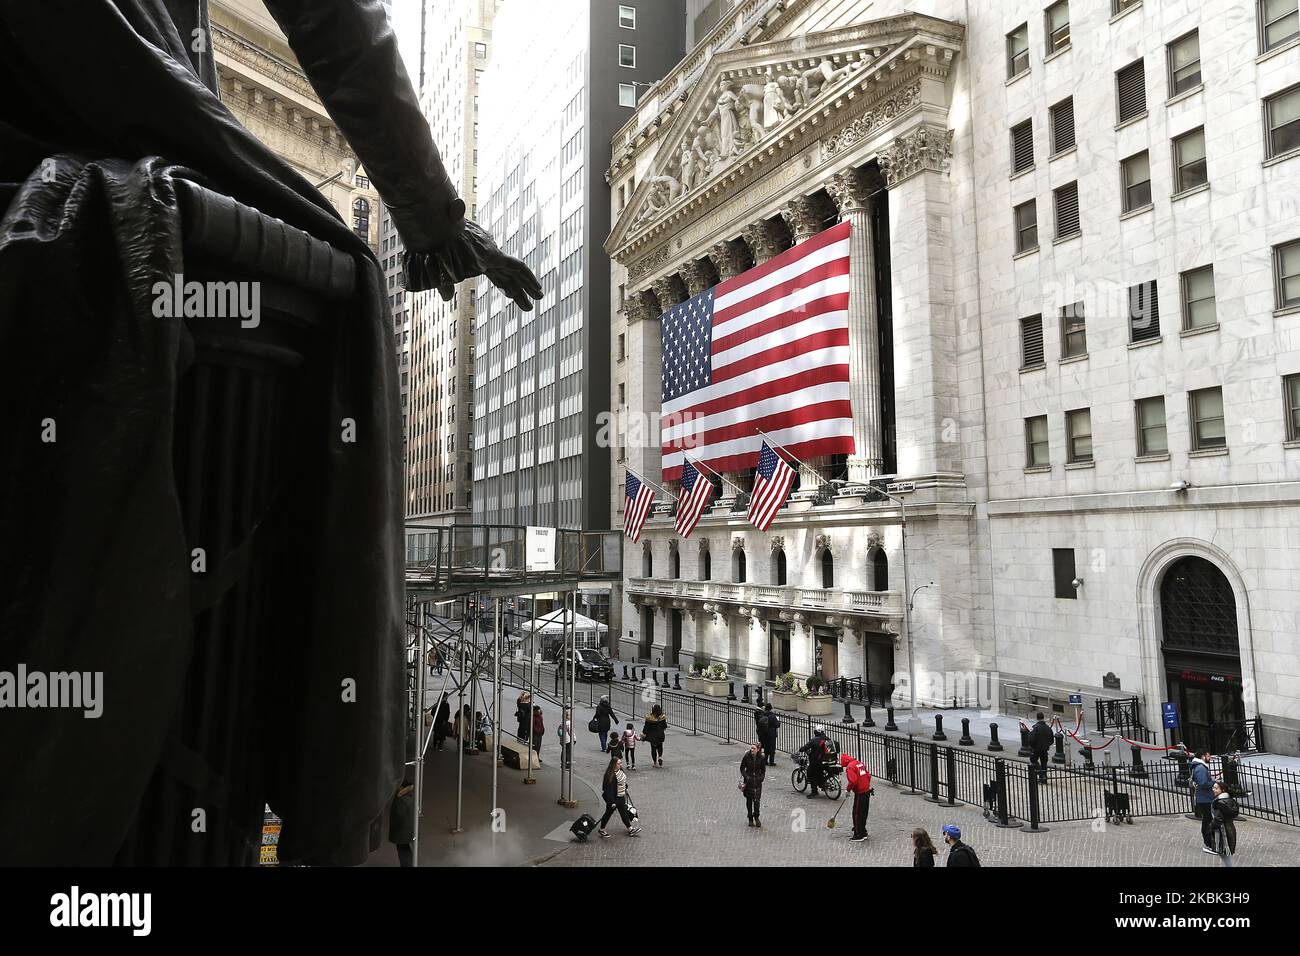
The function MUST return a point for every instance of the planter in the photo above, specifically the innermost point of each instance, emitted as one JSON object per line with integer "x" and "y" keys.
{"x": 716, "y": 688}
{"x": 783, "y": 701}
{"x": 818, "y": 705}
{"x": 695, "y": 685}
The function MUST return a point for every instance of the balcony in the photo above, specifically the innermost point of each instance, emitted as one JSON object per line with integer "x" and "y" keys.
{"x": 878, "y": 605}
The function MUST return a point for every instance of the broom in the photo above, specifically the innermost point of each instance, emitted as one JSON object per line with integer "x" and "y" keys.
{"x": 830, "y": 824}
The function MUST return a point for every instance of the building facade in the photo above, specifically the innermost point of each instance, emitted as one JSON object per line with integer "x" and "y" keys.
{"x": 1074, "y": 349}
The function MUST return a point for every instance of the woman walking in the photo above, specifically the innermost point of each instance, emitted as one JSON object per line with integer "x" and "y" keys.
{"x": 923, "y": 849}
{"x": 656, "y": 724}
{"x": 614, "y": 790}
{"x": 539, "y": 730}
{"x": 752, "y": 769}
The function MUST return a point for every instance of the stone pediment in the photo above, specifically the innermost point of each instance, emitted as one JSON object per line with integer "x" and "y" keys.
{"x": 750, "y": 101}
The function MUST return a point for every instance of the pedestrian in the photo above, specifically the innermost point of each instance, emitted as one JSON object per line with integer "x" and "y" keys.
{"x": 605, "y": 716}
{"x": 484, "y": 728}
{"x": 752, "y": 770}
{"x": 1203, "y": 790}
{"x": 629, "y": 746}
{"x": 565, "y": 732}
{"x": 615, "y": 748}
{"x": 654, "y": 730}
{"x": 401, "y": 822}
{"x": 539, "y": 730}
{"x": 818, "y": 750}
{"x": 1224, "y": 811}
{"x": 959, "y": 854}
{"x": 437, "y": 662}
{"x": 858, "y": 781}
{"x": 523, "y": 714}
{"x": 441, "y": 722}
{"x": 768, "y": 727}
{"x": 614, "y": 792}
{"x": 1041, "y": 739}
{"x": 923, "y": 849}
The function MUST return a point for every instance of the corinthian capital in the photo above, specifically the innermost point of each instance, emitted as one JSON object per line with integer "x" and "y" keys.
{"x": 697, "y": 275}
{"x": 765, "y": 239}
{"x": 924, "y": 148}
{"x": 851, "y": 189}
{"x": 728, "y": 257}
{"x": 670, "y": 290}
{"x": 805, "y": 216}
{"x": 640, "y": 306}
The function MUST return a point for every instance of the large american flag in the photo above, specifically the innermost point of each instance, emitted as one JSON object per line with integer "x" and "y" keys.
{"x": 696, "y": 492}
{"x": 771, "y": 487}
{"x": 766, "y": 350}
{"x": 636, "y": 506}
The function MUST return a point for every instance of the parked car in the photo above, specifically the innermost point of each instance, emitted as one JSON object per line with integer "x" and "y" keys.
{"x": 590, "y": 664}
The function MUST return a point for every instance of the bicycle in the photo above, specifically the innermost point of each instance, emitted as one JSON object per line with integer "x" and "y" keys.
{"x": 799, "y": 778}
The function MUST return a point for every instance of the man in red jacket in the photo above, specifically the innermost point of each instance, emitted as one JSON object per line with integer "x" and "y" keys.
{"x": 858, "y": 779}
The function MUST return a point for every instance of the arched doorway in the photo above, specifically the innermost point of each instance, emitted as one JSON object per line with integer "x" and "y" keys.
{"x": 647, "y": 634}
{"x": 675, "y": 640}
{"x": 879, "y": 570}
{"x": 1202, "y": 655}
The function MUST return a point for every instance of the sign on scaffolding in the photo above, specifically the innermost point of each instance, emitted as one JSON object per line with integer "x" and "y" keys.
{"x": 539, "y": 545}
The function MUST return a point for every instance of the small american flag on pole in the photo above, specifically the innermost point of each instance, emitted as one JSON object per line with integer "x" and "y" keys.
{"x": 767, "y": 349}
{"x": 771, "y": 488}
{"x": 637, "y": 505}
{"x": 696, "y": 492}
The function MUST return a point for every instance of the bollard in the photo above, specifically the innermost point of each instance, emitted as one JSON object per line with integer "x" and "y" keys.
{"x": 677, "y": 682}
{"x": 1024, "y": 750}
{"x": 1138, "y": 769}
{"x": 625, "y": 677}
{"x": 745, "y": 697}
{"x": 994, "y": 743}
{"x": 951, "y": 761}
{"x": 889, "y": 724}
{"x": 654, "y": 676}
{"x": 1004, "y": 817}
{"x": 938, "y": 728}
{"x": 867, "y": 720}
{"x": 1184, "y": 776}
{"x": 643, "y": 673}
{"x": 1035, "y": 815}
{"x": 965, "y": 740}
{"x": 758, "y": 695}
{"x": 848, "y": 714}
{"x": 1230, "y": 780}
{"x": 1059, "y": 756}
{"x": 1088, "y": 765}
{"x": 731, "y": 690}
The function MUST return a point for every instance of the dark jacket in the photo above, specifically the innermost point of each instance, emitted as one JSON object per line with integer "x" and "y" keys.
{"x": 752, "y": 770}
{"x": 654, "y": 729}
{"x": 605, "y": 716}
{"x": 815, "y": 749}
{"x": 401, "y": 818}
{"x": 1041, "y": 738}
{"x": 1202, "y": 781}
{"x": 959, "y": 854}
{"x": 523, "y": 716}
{"x": 539, "y": 726}
{"x": 924, "y": 859}
{"x": 443, "y": 715}
{"x": 1225, "y": 813}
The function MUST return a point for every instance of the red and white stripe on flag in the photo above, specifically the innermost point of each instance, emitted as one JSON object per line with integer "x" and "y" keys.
{"x": 637, "y": 506}
{"x": 696, "y": 492}
{"x": 771, "y": 487}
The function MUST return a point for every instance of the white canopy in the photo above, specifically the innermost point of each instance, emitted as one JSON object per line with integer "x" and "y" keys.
{"x": 555, "y": 622}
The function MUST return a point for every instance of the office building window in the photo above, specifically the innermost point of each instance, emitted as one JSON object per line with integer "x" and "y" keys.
{"x": 1207, "y": 419}
{"x": 1063, "y": 126}
{"x": 1066, "y": 201}
{"x": 1018, "y": 50}
{"x": 1074, "y": 335}
{"x": 1282, "y": 116}
{"x": 1119, "y": 6}
{"x": 1022, "y": 147}
{"x": 1198, "y": 298}
{"x": 1063, "y": 573}
{"x": 626, "y": 94}
{"x": 1137, "y": 181}
{"x": 1026, "y": 216}
{"x": 627, "y": 17}
{"x": 1185, "y": 63}
{"x": 622, "y": 348}
{"x": 1078, "y": 436}
{"x": 480, "y": 51}
{"x": 1031, "y": 342}
{"x": 626, "y": 55}
{"x": 1036, "y": 449}
{"x": 1058, "y": 26}
{"x": 1286, "y": 267}
{"x": 1279, "y": 22}
{"x": 1291, "y": 397}
{"x": 1152, "y": 438}
{"x": 1189, "y": 161}
{"x": 1131, "y": 91}
{"x": 1143, "y": 312}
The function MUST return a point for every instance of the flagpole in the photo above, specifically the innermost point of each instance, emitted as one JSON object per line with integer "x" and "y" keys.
{"x": 806, "y": 467}
{"x": 650, "y": 483}
{"x": 700, "y": 464}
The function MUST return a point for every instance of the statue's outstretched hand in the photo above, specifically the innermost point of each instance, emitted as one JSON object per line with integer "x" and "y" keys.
{"x": 472, "y": 253}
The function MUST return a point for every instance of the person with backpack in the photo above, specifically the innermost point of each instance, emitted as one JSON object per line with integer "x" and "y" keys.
{"x": 1203, "y": 789}
{"x": 959, "y": 854}
{"x": 923, "y": 850}
{"x": 653, "y": 731}
{"x": 1224, "y": 812}
{"x": 820, "y": 751}
{"x": 858, "y": 780}
{"x": 604, "y": 717}
{"x": 539, "y": 730}
{"x": 768, "y": 725}
{"x": 752, "y": 770}
{"x": 614, "y": 792}
{"x": 1041, "y": 739}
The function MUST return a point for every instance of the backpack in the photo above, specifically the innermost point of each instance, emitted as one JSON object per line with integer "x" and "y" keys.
{"x": 830, "y": 750}
{"x": 969, "y": 854}
{"x": 764, "y": 725}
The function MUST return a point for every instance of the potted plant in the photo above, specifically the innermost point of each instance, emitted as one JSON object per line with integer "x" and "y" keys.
{"x": 715, "y": 681}
{"x": 785, "y": 692}
{"x": 815, "y": 700}
{"x": 695, "y": 677}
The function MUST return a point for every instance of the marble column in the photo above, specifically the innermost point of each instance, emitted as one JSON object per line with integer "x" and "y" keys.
{"x": 765, "y": 239}
{"x": 851, "y": 190}
{"x": 639, "y": 429}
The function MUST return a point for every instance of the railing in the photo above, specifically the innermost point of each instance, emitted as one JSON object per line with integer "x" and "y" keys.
{"x": 439, "y": 557}
{"x": 880, "y": 603}
{"x": 1119, "y": 715}
{"x": 1224, "y": 736}
{"x": 858, "y": 691}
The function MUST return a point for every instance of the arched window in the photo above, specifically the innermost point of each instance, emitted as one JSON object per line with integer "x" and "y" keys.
{"x": 880, "y": 570}
{"x": 778, "y": 567}
{"x": 1198, "y": 608}
{"x": 738, "y": 566}
{"x": 647, "y": 562}
{"x": 706, "y": 565}
{"x": 674, "y": 564}
{"x": 828, "y": 569}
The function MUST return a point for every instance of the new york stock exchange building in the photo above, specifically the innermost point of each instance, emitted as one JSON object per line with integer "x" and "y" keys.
{"x": 1073, "y": 354}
